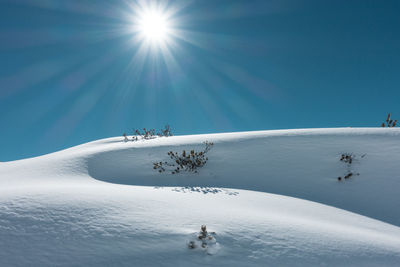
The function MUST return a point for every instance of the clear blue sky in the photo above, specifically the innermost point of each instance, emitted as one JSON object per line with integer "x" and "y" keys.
{"x": 70, "y": 72}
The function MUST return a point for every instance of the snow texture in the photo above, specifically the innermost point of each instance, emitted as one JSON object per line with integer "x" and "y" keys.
{"x": 271, "y": 197}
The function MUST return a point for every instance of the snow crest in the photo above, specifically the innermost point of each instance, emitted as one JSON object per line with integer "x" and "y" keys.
{"x": 272, "y": 198}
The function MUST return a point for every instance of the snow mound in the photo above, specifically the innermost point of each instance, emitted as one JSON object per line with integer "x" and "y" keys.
{"x": 102, "y": 203}
{"x": 299, "y": 163}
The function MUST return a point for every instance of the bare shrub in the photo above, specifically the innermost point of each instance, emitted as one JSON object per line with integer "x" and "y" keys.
{"x": 125, "y": 137}
{"x": 348, "y": 159}
{"x": 166, "y": 132}
{"x": 146, "y": 134}
{"x": 389, "y": 122}
{"x": 186, "y": 161}
{"x": 204, "y": 240}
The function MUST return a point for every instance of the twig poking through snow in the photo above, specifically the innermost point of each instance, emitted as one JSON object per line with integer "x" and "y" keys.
{"x": 205, "y": 241}
{"x": 348, "y": 159}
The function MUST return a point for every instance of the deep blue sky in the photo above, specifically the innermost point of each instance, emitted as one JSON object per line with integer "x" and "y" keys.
{"x": 69, "y": 74}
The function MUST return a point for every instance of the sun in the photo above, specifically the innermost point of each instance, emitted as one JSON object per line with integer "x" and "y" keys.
{"x": 153, "y": 26}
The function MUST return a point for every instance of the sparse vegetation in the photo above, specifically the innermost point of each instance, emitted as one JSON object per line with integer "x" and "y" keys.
{"x": 186, "y": 161}
{"x": 348, "y": 159}
{"x": 389, "y": 122}
{"x": 204, "y": 239}
{"x": 166, "y": 132}
{"x": 146, "y": 134}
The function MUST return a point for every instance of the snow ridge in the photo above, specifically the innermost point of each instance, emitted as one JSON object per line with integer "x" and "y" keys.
{"x": 102, "y": 203}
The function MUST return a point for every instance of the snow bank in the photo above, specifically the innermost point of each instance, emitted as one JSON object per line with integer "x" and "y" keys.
{"x": 101, "y": 203}
{"x": 298, "y": 163}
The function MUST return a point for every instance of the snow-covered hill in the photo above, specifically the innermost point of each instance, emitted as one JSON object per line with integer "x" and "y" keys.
{"x": 272, "y": 197}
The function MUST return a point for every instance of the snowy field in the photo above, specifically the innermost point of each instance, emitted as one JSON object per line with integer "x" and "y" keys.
{"x": 271, "y": 197}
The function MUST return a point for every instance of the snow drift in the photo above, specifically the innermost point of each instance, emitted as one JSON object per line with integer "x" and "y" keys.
{"x": 102, "y": 202}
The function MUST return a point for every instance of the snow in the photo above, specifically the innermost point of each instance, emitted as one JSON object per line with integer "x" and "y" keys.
{"x": 271, "y": 197}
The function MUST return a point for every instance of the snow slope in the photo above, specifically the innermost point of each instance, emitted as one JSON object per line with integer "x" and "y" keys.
{"x": 102, "y": 203}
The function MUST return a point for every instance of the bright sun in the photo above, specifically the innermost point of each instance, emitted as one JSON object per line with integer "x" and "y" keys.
{"x": 154, "y": 26}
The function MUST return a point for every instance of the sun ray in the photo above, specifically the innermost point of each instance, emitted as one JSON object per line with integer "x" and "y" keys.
{"x": 161, "y": 58}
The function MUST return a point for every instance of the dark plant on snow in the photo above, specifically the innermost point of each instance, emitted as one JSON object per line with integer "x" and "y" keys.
{"x": 204, "y": 239}
{"x": 166, "y": 132}
{"x": 146, "y": 134}
{"x": 348, "y": 159}
{"x": 186, "y": 161}
{"x": 125, "y": 137}
{"x": 389, "y": 122}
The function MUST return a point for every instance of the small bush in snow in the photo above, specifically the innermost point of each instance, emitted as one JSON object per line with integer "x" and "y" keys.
{"x": 348, "y": 159}
{"x": 125, "y": 137}
{"x": 205, "y": 241}
{"x": 186, "y": 161}
{"x": 146, "y": 134}
{"x": 166, "y": 132}
{"x": 389, "y": 122}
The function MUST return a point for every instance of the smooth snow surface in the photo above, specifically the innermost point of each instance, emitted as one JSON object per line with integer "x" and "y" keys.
{"x": 102, "y": 204}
